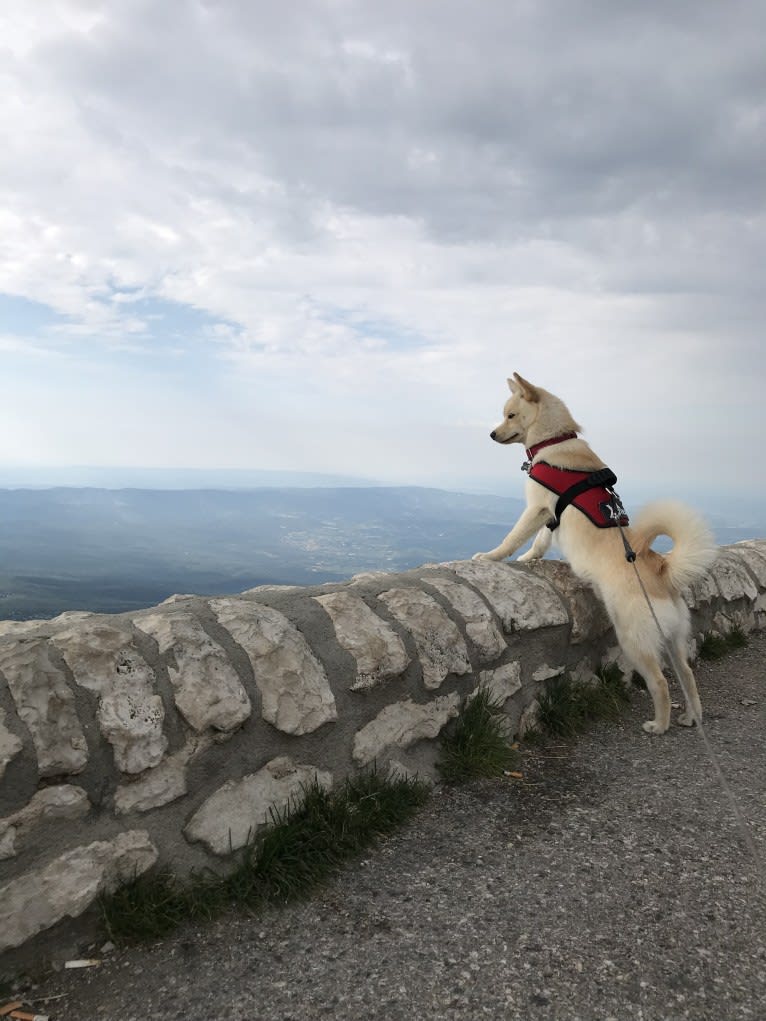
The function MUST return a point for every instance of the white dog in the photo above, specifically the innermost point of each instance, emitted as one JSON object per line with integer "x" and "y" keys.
{"x": 591, "y": 542}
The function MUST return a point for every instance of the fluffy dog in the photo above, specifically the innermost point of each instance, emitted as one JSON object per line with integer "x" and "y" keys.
{"x": 592, "y": 545}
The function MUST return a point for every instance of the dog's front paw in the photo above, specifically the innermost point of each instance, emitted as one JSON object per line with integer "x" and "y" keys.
{"x": 492, "y": 555}
{"x": 526, "y": 557}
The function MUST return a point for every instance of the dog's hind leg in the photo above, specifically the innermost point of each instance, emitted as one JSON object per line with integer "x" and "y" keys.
{"x": 539, "y": 547}
{"x": 649, "y": 668}
{"x": 642, "y": 645}
{"x": 693, "y": 710}
{"x": 643, "y": 653}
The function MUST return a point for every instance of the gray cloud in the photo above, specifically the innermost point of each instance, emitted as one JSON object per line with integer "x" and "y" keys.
{"x": 331, "y": 177}
{"x": 494, "y": 122}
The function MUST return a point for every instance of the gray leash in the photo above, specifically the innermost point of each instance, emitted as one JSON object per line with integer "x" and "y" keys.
{"x": 744, "y": 829}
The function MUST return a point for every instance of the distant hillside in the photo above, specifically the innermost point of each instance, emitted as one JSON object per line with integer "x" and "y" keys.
{"x": 111, "y": 550}
{"x": 120, "y": 549}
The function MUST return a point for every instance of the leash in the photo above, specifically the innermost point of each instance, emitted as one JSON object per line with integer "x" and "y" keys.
{"x": 747, "y": 836}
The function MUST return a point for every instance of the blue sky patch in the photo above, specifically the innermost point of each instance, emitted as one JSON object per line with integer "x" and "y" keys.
{"x": 170, "y": 320}
{"x": 24, "y": 317}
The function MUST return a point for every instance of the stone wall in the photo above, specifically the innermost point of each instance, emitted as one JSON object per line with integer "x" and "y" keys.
{"x": 167, "y": 734}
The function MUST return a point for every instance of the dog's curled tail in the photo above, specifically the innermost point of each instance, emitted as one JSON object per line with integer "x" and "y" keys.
{"x": 694, "y": 548}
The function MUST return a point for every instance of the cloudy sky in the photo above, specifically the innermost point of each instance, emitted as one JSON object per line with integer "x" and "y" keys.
{"x": 319, "y": 235}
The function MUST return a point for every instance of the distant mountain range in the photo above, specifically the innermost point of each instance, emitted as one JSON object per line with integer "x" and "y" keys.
{"x": 25, "y": 477}
{"x": 110, "y": 550}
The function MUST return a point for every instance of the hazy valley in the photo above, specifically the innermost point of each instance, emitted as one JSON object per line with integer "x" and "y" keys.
{"x": 110, "y": 550}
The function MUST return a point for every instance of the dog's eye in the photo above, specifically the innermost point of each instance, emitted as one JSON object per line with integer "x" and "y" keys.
{"x": 509, "y": 417}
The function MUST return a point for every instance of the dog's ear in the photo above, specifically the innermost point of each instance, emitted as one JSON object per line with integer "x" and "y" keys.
{"x": 527, "y": 391}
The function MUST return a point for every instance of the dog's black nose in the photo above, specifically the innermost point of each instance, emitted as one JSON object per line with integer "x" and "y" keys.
{"x": 493, "y": 435}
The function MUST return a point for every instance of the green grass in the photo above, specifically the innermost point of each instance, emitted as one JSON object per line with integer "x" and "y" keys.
{"x": 717, "y": 646}
{"x": 302, "y": 848}
{"x": 567, "y": 708}
{"x": 479, "y": 743}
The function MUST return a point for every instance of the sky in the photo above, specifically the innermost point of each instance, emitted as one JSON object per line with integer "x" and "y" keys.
{"x": 319, "y": 236}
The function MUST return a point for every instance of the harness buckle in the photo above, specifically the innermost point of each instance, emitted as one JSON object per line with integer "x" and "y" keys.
{"x": 602, "y": 477}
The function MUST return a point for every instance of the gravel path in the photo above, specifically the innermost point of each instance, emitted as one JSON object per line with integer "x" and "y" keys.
{"x": 610, "y": 883}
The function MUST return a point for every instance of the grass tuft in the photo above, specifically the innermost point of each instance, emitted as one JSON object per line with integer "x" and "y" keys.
{"x": 567, "y": 708}
{"x": 479, "y": 744}
{"x": 151, "y": 906}
{"x": 736, "y": 639}
{"x": 611, "y": 695}
{"x": 717, "y": 646}
{"x": 302, "y": 847}
{"x": 561, "y": 711}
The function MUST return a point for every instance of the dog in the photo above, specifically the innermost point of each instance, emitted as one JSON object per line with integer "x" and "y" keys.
{"x": 589, "y": 540}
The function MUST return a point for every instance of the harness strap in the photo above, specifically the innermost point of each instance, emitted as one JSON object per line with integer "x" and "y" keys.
{"x": 602, "y": 477}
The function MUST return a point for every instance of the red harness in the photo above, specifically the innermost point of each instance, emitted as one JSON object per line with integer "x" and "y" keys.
{"x": 589, "y": 491}
{"x": 595, "y": 501}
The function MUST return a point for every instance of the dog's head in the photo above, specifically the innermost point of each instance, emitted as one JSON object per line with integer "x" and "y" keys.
{"x": 519, "y": 412}
{"x": 532, "y": 414}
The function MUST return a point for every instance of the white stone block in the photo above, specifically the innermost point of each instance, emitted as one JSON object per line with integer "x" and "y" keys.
{"x": 104, "y": 660}
{"x": 753, "y": 555}
{"x": 16, "y": 628}
{"x": 703, "y": 590}
{"x": 296, "y": 694}
{"x": 402, "y": 724}
{"x": 68, "y": 886}
{"x": 479, "y": 623}
{"x": 378, "y": 651}
{"x": 522, "y": 601}
{"x": 206, "y": 687}
{"x": 732, "y": 578}
{"x": 440, "y": 646}
{"x": 369, "y": 577}
{"x": 162, "y": 784}
{"x": 231, "y": 817}
{"x": 545, "y": 672}
{"x": 501, "y": 683}
{"x": 45, "y": 704}
{"x": 69, "y": 617}
{"x": 62, "y": 802}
